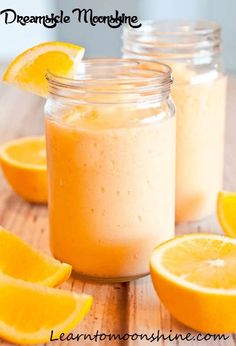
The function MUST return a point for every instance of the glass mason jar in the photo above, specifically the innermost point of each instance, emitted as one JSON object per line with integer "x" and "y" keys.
{"x": 111, "y": 162}
{"x": 193, "y": 50}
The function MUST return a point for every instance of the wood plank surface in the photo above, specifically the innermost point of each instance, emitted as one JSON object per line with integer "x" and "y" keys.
{"x": 123, "y": 307}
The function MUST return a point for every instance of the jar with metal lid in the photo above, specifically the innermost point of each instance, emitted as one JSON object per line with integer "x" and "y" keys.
{"x": 193, "y": 50}
{"x": 111, "y": 163}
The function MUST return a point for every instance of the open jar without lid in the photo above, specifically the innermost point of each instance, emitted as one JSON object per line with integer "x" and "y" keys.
{"x": 193, "y": 50}
{"x": 111, "y": 161}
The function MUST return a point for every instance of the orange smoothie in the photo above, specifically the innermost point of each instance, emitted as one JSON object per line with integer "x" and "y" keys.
{"x": 193, "y": 50}
{"x": 111, "y": 191}
{"x": 200, "y": 147}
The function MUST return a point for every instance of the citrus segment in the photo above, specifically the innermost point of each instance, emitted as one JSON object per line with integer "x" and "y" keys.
{"x": 29, "y": 312}
{"x": 18, "y": 260}
{"x": 28, "y": 70}
{"x": 226, "y": 212}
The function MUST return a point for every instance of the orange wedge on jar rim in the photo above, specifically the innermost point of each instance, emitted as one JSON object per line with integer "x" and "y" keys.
{"x": 195, "y": 278}
{"x": 20, "y": 261}
{"x": 28, "y": 70}
{"x": 226, "y": 212}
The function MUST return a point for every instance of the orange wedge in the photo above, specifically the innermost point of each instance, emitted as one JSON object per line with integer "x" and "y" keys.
{"x": 29, "y": 312}
{"x": 226, "y": 212}
{"x": 195, "y": 278}
{"x": 18, "y": 260}
{"x": 27, "y": 71}
{"x": 23, "y": 163}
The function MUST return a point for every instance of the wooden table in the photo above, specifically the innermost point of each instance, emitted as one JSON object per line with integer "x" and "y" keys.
{"x": 120, "y": 308}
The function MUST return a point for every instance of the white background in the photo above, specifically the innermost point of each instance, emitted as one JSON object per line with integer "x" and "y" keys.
{"x": 102, "y": 40}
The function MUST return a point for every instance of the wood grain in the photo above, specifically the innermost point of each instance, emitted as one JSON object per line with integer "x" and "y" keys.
{"x": 120, "y": 308}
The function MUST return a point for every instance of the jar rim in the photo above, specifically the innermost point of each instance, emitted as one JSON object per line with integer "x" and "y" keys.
{"x": 177, "y": 27}
{"x": 172, "y": 39}
{"x": 116, "y": 76}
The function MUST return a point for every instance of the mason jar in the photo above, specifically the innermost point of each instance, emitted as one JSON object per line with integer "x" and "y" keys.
{"x": 110, "y": 136}
{"x": 193, "y": 50}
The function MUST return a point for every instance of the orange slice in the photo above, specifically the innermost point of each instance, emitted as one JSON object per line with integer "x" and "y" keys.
{"x": 20, "y": 261}
{"x": 29, "y": 312}
{"x": 195, "y": 278}
{"x": 23, "y": 163}
{"x": 27, "y": 71}
{"x": 226, "y": 212}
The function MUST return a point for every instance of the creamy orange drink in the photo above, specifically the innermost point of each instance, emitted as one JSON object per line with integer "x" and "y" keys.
{"x": 192, "y": 49}
{"x": 199, "y": 169}
{"x": 111, "y": 162}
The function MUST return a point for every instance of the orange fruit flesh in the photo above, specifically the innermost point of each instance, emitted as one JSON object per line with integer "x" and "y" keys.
{"x": 195, "y": 278}
{"x": 39, "y": 66}
{"x": 226, "y": 212}
{"x": 30, "y": 153}
{"x": 28, "y": 70}
{"x": 35, "y": 266}
{"x": 29, "y": 311}
{"x": 23, "y": 163}
{"x": 205, "y": 268}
